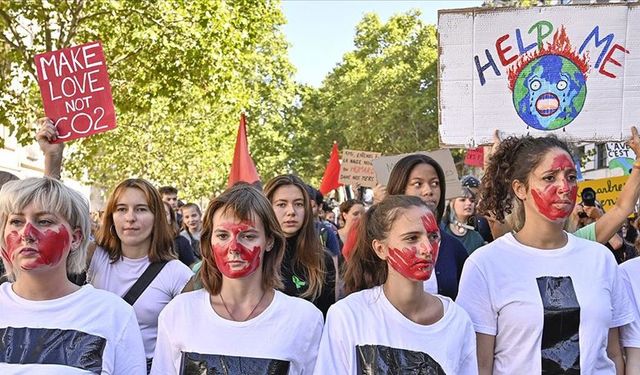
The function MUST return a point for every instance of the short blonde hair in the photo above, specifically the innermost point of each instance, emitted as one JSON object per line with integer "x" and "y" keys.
{"x": 52, "y": 196}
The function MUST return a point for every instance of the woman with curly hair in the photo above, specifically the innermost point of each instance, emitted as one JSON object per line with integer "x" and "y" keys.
{"x": 308, "y": 270}
{"x": 540, "y": 298}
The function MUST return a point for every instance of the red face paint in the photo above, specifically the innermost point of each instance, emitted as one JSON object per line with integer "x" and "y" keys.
{"x": 556, "y": 201}
{"x": 562, "y": 162}
{"x": 44, "y": 248}
{"x": 417, "y": 262}
{"x": 233, "y": 259}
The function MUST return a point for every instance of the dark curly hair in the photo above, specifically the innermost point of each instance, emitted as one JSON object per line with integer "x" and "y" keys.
{"x": 514, "y": 159}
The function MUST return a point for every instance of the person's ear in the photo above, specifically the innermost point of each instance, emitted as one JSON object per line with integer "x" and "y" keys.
{"x": 380, "y": 249}
{"x": 270, "y": 243}
{"x": 519, "y": 189}
{"x": 76, "y": 239}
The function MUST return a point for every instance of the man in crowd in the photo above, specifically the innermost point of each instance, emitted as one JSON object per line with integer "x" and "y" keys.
{"x": 170, "y": 195}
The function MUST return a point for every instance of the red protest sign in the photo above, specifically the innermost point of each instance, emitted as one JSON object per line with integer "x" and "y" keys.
{"x": 75, "y": 90}
{"x": 474, "y": 157}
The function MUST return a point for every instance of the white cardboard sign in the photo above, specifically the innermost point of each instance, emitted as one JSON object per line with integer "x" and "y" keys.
{"x": 356, "y": 168}
{"x": 573, "y": 71}
{"x": 384, "y": 164}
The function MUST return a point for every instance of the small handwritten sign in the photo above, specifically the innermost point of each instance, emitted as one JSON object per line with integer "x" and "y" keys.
{"x": 474, "y": 157}
{"x": 607, "y": 189}
{"x": 356, "y": 168}
{"x": 75, "y": 90}
{"x": 620, "y": 158}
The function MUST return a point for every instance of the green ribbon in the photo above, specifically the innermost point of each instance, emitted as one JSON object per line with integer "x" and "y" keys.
{"x": 299, "y": 283}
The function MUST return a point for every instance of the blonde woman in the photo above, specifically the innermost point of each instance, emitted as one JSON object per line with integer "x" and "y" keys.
{"x": 48, "y": 324}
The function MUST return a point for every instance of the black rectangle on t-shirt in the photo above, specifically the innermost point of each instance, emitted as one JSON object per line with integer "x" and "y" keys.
{"x": 215, "y": 364}
{"x": 560, "y": 336}
{"x": 379, "y": 360}
{"x": 66, "y": 347}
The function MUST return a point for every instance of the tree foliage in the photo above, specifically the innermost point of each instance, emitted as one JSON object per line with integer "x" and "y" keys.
{"x": 381, "y": 97}
{"x": 181, "y": 73}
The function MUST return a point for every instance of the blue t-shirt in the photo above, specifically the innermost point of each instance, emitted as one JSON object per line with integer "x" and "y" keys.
{"x": 451, "y": 258}
{"x": 329, "y": 237}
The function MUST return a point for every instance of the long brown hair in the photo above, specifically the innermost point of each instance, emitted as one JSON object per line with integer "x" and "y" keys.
{"x": 365, "y": 269}
{"x": 246, "y": 203}
{"x": 309, "y": 252}
{"x": 161, "y": 248}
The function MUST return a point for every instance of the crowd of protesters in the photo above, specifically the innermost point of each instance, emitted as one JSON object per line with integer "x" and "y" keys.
{"x": 516, "y": 275}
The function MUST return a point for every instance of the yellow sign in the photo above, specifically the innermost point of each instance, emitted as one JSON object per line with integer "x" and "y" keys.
{"x": 607, "y": 190}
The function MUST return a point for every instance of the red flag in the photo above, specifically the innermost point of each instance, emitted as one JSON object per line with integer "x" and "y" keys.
{"x": 331, "y": 177}
{"x": 242, "y": 168}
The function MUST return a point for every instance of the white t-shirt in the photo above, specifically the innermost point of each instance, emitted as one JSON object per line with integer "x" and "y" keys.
{"x": 120, "y": 276}
{"x": 431, "y": 285}
{"x": 283, "y": 339}
{"x": 364, "y": 329}
{"x": 504, "y": 284}
{"x": 86, "y": 332}
{"x": 630, "y": 333}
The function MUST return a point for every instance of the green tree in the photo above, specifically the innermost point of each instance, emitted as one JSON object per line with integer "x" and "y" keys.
{"x": 381, "y": 97}
{"x": 181, "y": 73}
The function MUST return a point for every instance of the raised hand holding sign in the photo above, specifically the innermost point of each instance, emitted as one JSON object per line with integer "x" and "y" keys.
{"x": 75, "y": 90}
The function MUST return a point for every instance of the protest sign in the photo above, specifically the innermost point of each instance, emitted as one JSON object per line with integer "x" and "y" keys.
{"x": 384, "y": 164}
{"x": 620, "y": 157}
{"x": 607, "y": 189}
{"x": 573, "y": 71}
{"x": 474, "y": 157}
{"x": 356, "y": 168}
{"x": 75, "y": 90}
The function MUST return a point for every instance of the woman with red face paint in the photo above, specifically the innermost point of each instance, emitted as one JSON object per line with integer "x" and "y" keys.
{"x": 308, "y": 270}
{"x": 540, "y": 298}
{"x": 239, "y": 324}
{"x": 388, "y": 323}
{"x": 48, "y": 324}
{"x": 134, "y": 239}
{"x": 421, "y": 176}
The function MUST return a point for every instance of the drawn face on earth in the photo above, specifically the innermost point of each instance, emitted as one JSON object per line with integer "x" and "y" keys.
{"x": 549, "y": 92}
{"x": 549, "y": 86}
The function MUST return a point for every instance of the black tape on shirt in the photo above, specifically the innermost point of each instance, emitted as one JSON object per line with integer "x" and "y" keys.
{"x": 379, "y": 360}
{"x": 52, "y": 347}
{"x": 560, "y": 345}
{"x": 215, "y": 364}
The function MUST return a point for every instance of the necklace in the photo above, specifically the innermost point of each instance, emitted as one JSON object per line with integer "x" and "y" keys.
{"x": 248, "y": 316}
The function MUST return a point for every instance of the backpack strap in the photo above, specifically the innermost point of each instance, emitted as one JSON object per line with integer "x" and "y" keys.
{"x": 143, "y": 282}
